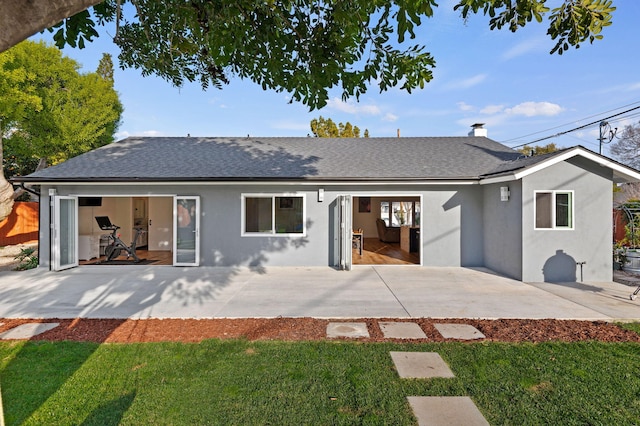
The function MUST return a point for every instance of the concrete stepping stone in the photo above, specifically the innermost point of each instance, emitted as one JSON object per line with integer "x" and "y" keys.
{"x": 459, "y": 331}
{"x": 402, "y": 330}
{"x": 27, "y": 331}
{"x": 446, "y": 411}
{"x": 347, "y": 329}
{"x": 420, "y": 365}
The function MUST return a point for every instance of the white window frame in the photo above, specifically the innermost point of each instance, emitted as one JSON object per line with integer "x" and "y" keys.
{"x": 390, "y": 213}
{"x": 553, "y": 210}
{"x": 273, "y": 232}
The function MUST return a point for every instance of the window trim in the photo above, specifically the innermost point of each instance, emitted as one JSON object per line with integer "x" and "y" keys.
{"x": 272, "y": 196}
{"x": 553, "y": 212}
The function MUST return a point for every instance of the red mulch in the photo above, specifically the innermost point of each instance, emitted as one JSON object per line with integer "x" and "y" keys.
{"x": 190, "y": 330}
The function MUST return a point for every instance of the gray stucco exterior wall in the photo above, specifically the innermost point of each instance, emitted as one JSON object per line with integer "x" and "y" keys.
{"x": 503, "y": 229}
{"x": 551, "y": 254}
{"x": 451, "y": 226}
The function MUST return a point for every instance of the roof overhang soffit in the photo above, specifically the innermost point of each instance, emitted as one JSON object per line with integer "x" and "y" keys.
{"x": 621, "y": 173}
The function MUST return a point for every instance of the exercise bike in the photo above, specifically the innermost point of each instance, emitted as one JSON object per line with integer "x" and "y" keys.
{"x": 116, "y": 246}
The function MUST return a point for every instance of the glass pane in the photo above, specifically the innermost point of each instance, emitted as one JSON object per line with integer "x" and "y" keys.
{"x": 543, "y": 210}
{"x": 417, "y": 210}
{"x": 186, "y": 235}
{"x": 258, "y": 214}
{"x": 289, "y": 218}
{"x": 67, "y": 232}
{"x": 399, "y": 216}
{"x": 384, "y": 212}
{"x": 407, "y": 207}
{"x": 563, "y": 210}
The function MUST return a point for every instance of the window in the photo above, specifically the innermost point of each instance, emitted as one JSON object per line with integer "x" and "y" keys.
{"x": 266, "y": 214}
{"x": 397, "y": 213}
{"x": 554, "y": 209}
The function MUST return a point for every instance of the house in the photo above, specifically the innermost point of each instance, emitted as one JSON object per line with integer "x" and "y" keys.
{"x": 463, "y": 201}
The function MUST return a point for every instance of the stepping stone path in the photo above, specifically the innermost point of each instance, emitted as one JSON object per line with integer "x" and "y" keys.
{"x": 446, "y": 411}
{"x": 420, "y": 365}
{"x": 27, "y": 331}
{"x": 435, "y": 410}
{"x": 401, "y": 330}
{"x": 459, "y": 331}
{"x": 347, "y": 329}
{"x": 428, "y": 410}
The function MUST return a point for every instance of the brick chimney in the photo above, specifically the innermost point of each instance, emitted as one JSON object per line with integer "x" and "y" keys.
{"x": 478, "y": 130}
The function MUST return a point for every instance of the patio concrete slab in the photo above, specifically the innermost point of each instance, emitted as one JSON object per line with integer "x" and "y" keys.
{"x": 401, "y": 330}
{"x": 446, "y": 411}
{"x": 610, "y": 299}
{"x": 27, "y": 331}
{"x": 148, "y": 291}
{"x": 477, "y": 293}
{"x": 420, "y": 365}
{"x": 459, "y": 331}
{"x": 347, "y": 329}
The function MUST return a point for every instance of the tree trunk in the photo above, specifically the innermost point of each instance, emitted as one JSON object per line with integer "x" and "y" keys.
{"x": 6, "y": 198}
{"x": 21, "y": 19}
{"x": 6, "y": 189}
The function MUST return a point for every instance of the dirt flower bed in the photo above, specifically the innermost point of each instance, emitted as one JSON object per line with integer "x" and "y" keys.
{"x": 187, "y": 330}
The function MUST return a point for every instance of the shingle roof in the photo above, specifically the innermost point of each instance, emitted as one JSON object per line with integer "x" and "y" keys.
{"x": 193, "y": 158}
{"x": 522, "y": 162}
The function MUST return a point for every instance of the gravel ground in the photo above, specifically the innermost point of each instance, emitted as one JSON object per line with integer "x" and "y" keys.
{"x": 291, "y": 329}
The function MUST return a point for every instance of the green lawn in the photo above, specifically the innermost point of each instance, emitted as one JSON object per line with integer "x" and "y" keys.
{"x": 237, "y": 382}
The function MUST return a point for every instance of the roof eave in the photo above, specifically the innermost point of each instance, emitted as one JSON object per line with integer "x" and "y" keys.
{"x": 306, "y": 180}
{"x": 621, "y": 173}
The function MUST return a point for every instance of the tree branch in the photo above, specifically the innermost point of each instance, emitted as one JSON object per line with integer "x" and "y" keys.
{"x": 21, "y": 19}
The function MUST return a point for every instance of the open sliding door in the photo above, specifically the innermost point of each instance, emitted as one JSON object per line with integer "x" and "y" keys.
{"x": 186, "y": 230}
{"x": 344, "y": 231}
{"x": 64, "y": 234}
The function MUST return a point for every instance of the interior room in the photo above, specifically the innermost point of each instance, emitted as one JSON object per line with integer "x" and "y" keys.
{"x": 153, "y": 215}
{"x": 386, "y": 230}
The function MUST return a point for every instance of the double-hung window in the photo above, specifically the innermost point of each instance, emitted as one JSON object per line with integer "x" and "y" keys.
{"x": 554, "y": 209}
{"x": 273, "y": 215}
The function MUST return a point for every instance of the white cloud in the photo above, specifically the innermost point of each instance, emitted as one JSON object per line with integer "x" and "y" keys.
{"x": 121, "y": 135}
{"x": 463, "y": 106}
{"x": 524, "y": 48}
{"x": 467, "y": 82}
{"x": 492, "y": 109}
{"x": 125, "y": 134}
{"x": 390, "y": 117}
{"x": 534, "y": 109}
{"x": 351, "y": 107}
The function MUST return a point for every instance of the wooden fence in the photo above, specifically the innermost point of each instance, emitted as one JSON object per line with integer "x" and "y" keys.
{"x": 22, "y": 224}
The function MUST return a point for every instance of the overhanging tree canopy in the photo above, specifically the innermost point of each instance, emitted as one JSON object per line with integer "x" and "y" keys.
{"x": 301, "y": 47}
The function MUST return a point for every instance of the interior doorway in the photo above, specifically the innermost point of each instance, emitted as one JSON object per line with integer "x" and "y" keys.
{"x": 387, "y": 230}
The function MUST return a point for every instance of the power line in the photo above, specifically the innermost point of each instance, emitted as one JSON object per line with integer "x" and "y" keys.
{"x": 563, "y": 125}
{"x": 576, "y": 128}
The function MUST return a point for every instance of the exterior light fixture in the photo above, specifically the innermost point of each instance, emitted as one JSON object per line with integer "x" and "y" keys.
{"x": 504, "y": 193}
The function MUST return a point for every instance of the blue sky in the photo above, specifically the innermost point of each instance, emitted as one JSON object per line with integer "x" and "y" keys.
{"x": 507, "y": 80}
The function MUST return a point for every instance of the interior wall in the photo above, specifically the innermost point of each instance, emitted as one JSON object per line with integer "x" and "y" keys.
{"x": 367, "y": 220}
{"x": 118, "y": 209}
